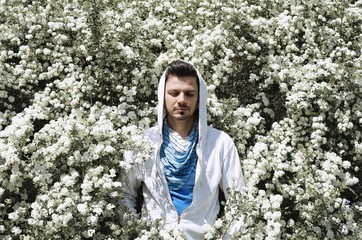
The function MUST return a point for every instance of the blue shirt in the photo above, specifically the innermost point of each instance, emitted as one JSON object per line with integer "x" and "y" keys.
{"x": 182, "y": 198}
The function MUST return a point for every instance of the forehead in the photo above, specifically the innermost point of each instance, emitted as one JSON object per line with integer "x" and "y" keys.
{"x": 174, "y": 81}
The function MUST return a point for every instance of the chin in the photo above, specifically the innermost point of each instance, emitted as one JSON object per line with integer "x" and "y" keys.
{"x": 181, "y": 118}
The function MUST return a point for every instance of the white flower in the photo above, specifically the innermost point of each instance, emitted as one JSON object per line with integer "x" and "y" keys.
{"x": 346, "y": 164}
{"x": 110, "y": 206}
{"x": 92, "y": 219}
{"x": 208, "y": 235}
{"x": 98, "y": 210}
{"x": 16, "y": 230}
{"x": 13, "y": 215}
{"x": 165, "y": 235}
{"x": 259, "y": 148}
{"x": 218, "y": 223}
{"x": 87, "y": 186}
{"x": 68, "y": 180}
{"x": 46, "y": 51}
{"x": 276, "y": 201}
{"x": 89, "y": 233}
{"x": 82, "y": 208}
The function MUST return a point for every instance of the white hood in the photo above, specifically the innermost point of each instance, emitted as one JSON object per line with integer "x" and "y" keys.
{"x": 161, "y": 111}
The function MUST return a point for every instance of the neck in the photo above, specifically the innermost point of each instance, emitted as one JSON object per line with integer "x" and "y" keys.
{"x": 183, "y": 128}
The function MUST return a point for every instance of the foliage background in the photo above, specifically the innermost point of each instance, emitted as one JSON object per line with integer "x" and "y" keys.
{"x": 78, "y": 84}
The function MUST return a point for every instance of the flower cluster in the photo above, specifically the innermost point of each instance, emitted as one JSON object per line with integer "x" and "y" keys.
{"x": 78, "y": 88}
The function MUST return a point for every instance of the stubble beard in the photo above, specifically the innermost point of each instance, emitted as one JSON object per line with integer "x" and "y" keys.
{"x": 181, "y": 117}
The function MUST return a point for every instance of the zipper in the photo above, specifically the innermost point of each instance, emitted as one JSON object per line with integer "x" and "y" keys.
{"x": 162, "y": 176}
{"x": 198, "y": 151}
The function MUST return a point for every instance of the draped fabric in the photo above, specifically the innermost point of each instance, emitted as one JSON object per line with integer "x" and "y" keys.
{"x": 183, "y": 197}
{"x": 178, "y": 155}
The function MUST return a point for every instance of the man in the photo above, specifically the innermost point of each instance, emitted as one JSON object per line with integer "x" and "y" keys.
{"x": 191, "y": 161}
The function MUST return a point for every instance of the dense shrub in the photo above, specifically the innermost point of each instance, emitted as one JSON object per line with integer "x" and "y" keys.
{"x": 78, "y": 86}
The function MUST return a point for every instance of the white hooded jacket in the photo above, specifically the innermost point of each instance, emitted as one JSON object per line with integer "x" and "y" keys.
{"x": 218, "y": 167}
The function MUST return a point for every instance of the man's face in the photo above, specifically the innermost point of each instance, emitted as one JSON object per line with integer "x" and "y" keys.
{"x": 181, "y": 97}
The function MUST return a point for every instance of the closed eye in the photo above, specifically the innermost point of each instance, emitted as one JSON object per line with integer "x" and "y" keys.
{"x": 173, "y": 93}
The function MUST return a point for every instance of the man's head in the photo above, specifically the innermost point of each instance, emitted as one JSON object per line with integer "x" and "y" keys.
{"x": 181, "y": 69}
{"x": 181, "y": 92}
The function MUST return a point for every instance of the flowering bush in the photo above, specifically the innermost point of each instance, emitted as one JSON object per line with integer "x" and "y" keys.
{"x": 78, "y": 86}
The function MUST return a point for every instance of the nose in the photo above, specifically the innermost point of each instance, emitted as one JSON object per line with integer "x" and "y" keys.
{"x": 182, "y": 98}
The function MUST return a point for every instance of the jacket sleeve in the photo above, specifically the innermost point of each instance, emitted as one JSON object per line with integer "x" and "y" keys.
{"x": 232, "y": 175}
{"x": 233, "y": 180}
{"x": 131, "y": 181}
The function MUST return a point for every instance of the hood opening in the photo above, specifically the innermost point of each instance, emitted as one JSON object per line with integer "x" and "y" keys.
{"x": 202, "y": 113}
